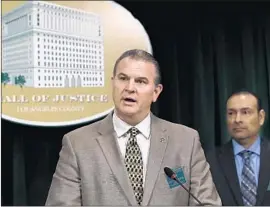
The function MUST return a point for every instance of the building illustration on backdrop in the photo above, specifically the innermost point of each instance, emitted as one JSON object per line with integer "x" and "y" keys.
{"x": 53, "y": 46}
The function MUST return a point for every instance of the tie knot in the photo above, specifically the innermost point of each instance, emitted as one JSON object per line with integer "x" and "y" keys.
{"x": 133, "y": 131}
{"x": 245, "y": 154}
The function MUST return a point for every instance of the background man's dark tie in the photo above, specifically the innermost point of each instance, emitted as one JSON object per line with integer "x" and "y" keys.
{"x": 248, "y": 184}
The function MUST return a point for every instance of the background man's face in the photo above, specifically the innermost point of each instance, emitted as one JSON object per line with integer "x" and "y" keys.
{"x": 243, "y": 118}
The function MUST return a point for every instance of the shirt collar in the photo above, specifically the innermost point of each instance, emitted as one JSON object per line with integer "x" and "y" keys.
{"x": 122, "y": 127}
{"x": 255, "y": 147}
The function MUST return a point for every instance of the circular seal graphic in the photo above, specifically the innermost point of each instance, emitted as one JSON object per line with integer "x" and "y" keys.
{"x": 58, "y": 58}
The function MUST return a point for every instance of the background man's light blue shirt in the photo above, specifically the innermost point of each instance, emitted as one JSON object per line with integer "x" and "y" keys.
{"x": 254, "y": 160}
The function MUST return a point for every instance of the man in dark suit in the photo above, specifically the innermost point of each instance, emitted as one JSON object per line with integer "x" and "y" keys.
{"x": 241, "y": 168}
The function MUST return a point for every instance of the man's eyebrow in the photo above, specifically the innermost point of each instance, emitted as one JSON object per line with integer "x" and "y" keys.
{"x": 244, "y": 108}
{"x": 141, "y": 77}
{"x": 137, "y": 78}
{"x": 122, "y": 74}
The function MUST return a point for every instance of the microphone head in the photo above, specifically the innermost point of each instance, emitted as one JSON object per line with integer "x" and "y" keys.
{"x": 168, "y": 171}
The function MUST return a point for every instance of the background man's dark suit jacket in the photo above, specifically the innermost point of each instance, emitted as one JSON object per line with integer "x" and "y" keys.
{"x": 223, "y": 169}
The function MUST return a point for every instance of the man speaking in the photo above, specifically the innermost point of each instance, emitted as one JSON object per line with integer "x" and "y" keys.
{"x": 120, "y": 159}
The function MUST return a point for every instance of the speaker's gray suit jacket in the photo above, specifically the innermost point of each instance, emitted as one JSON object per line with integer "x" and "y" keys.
{"x": 91, "y": 170}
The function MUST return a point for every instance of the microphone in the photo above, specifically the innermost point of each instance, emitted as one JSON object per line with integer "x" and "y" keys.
{"x": 169, "y": 172}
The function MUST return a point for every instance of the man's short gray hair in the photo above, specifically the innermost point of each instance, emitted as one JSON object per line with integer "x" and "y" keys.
{"x": 137, "y": 54}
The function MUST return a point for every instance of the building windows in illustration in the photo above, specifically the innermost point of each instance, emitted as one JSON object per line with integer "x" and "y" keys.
{"x": 73, "y": 38}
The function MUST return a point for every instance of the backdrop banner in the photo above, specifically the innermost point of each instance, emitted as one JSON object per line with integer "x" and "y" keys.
{"x": 58, "y": 58}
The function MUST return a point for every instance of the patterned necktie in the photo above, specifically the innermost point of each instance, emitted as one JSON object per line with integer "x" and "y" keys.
{"x": 248, "y": 184}
{"x": 134, "y": 164}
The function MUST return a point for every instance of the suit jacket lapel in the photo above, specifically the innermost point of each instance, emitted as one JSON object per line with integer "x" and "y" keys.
{"x": 111, "y": 151}
{"x": 264, "y": 173}
{"x": 158, "y": 144}
{"x": 227, "y": 163}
